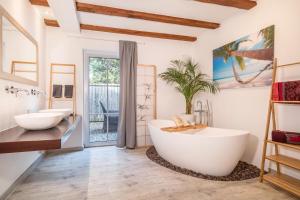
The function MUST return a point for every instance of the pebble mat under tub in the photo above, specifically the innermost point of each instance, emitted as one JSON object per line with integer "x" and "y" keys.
{"x": 242, "y": 171}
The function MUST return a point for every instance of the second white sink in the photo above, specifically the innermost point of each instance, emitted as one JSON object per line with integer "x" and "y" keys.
{"x": 39, "y": 121}
{"x": 66, "y": 111}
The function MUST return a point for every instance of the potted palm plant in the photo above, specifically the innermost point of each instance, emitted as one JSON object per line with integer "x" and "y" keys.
{"x": 188, "y": 80}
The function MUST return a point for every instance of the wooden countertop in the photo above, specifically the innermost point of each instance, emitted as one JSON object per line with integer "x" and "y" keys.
{"x": 18, "y": 139}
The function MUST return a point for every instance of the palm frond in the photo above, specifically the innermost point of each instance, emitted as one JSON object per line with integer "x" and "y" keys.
{"x": 226, "y": 50}
{"x": 172, "y": 76}
{"x": 268, "y": 35}
{"x": 188, "y": 79}
{"x": 241, "y": 62}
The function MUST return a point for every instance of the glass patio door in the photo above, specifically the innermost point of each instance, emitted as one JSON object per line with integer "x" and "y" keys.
{"x": 103, "y": 100}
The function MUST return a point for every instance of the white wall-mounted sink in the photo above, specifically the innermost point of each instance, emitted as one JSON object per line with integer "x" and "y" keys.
{"x": 66, "y": 111}
{"x": 39, "y": 121}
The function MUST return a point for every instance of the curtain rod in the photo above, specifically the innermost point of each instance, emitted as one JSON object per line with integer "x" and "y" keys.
{"x": 96, "y": 38}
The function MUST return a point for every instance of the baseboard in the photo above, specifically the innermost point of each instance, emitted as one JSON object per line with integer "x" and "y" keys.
{"x": 144, "y": 146}
{"x": 21, "y": 178}
{"x": 66, "y": 150}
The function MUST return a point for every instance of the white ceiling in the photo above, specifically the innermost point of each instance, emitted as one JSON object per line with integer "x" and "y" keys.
{"x": 61, "y": 9}
{"x": 178, "y": 8}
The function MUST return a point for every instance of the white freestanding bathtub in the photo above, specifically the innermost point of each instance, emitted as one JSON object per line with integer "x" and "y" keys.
{"x": 210, "y": 151}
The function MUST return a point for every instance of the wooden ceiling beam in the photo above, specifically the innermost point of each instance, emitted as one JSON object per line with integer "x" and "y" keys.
{"x": 105, "y": 10}
{"x": 51, "y": 22}
{"x": 54, "y": 23}
{"x": 242, "y": 4}
{"x": 39, "y": 2}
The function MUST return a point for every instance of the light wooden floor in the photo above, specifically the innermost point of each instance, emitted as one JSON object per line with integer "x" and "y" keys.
{"x": 109, "y": 173}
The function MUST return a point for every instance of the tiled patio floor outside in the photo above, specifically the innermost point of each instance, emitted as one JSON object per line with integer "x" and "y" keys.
{"x": 97, "y": 133}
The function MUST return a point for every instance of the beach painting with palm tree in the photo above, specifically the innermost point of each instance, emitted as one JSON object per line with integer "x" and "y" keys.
{"x": 246, "y": 62}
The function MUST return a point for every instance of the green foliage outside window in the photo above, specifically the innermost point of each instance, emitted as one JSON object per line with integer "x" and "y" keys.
{"x": 104, "y": 70}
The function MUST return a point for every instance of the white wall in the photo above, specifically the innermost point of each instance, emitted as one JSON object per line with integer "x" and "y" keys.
{"x": 62, "y": 48}
{"x": 14, "y": 164}
{"x": 246, "y": 109}
{"x": 238, "y": 108}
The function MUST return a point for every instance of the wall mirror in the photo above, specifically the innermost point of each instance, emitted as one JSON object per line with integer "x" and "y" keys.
{"x": 19, "y": 52}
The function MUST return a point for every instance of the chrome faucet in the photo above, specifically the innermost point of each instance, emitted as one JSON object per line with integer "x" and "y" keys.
{"x": 16, "y": 91}
{"x": 20, "y": 91}
{"x": 204, "y": 111}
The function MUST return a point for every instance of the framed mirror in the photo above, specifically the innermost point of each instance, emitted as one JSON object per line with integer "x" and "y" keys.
{"x": 18, "y": 52}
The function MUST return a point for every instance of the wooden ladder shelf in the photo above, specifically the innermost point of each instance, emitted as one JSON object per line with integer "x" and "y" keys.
{"x": 66, "y": 70}
{"x": 288, "y": 183}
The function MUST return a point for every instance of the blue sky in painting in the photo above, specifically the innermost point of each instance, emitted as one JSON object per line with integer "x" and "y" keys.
{"x": 222, "y": 70}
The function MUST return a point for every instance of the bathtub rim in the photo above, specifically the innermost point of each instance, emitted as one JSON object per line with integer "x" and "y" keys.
{"x": 231, "y": 132}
